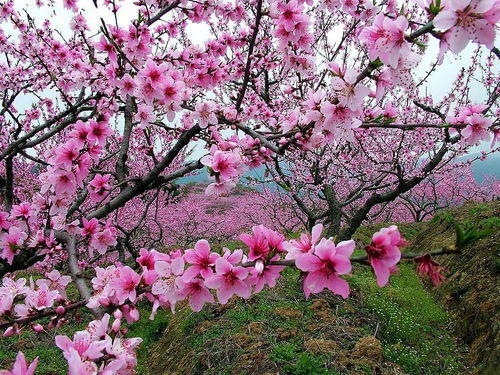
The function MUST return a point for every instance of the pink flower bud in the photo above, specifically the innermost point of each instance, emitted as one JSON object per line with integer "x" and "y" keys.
{"x": 116, "y": 325}
{"x": 52, "y": 324}
{"x": 37, "y": 327}
{"x": 12, "y": 330}
{"x": 259, "y": 266}
{"x": 118, "y": 314}
{"x": 134, "y": 314}
{"x": 60, "y": 310}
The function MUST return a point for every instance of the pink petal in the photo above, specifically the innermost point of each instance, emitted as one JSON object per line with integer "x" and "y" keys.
{"x": 241, "y": 289}
{"x": 225, "y": 292}
{"x": 338, "y": 286}
{"x": 316, "y": 233}
{"x": 191, "y": 273}
{"x": 178, "y": 266}
{"x": 316, "y": 281}
{"x": 345, "y": 248}
{"x": 342, "y": 265}
{"x": 308, "y": 262}
{"x": 222, "y": 266}
{"x": 214, "y": 282}
{"x": 324, "y": 249}
{"x": 381, "y": 272}
{"x": 240, "y": 272}
{"x": 445, "y": 20}
{"x": 203, "y": 248}
{"x": 458, "y": 39}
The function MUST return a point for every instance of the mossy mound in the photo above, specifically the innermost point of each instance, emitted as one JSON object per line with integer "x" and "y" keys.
{"x": 274, "y": 332}
{"x": 472, "y": 291}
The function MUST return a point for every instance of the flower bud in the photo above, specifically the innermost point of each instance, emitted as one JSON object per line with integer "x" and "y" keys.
{"x": 37, "y": 327}
{"x": 116, "y": 325}
{"x": 60, "y": 310}
{"x": 12, "y": 330}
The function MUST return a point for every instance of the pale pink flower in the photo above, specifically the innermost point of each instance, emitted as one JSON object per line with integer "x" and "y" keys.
{"x": 41, "y": 298}
{"x": 350, "y": 93}
{"x": 196, "y": 291}
{"x": 11, "y": 242}
{"x": 77, "y": 366}
{"x": 104, "y": 239}
{"x": 4, "y": 223}
{"x": 6, "y": 301}
{"x": 23, "y": 211}
{"x": 220, "y": 188}
{"x": 144, "y": 115}
{"x": 55, "y": 281}
{"x": 205, "y": 114}
{"x": 125, "y": 285}
{"x": 477, "y": 129}
{"x": 468, "y": 20}
{"x": 225, "y": 164}
{"x": 385, "y": 39}
{"x": 304, "y": 244}
{"x": 63, "y": 182}
{"x": 21, "y": 367}
{"x": 267, "y": 276}
{"x": 86, "y": 346}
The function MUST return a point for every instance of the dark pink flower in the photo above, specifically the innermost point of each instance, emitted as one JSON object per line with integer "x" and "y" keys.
{"x": 384, "y": 252}
{"x": 229, "y": 280}
{"x": 427, "y": 267}
{"x": 202, "y": 261}
{"x": 325, "y": 265}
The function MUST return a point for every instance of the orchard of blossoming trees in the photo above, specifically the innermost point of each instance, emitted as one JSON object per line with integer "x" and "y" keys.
{"x": 328, "y": 88}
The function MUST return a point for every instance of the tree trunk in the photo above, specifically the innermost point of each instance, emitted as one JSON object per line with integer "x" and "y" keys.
{"x": 334, "y": 211}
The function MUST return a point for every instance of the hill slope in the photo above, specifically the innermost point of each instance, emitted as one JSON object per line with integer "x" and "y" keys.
{"x": 472, "y": 292}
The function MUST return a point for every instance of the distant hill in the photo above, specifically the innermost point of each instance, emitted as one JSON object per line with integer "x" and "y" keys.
{"x": 490, "y": 166}
{"x": 480, "y": 168}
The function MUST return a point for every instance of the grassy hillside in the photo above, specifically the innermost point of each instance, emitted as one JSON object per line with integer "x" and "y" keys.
{"x": 399, "y": 329}
{"x": 472, "y": 292}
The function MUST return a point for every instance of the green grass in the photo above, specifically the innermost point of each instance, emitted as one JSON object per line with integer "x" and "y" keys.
{"x": 413, "y": 327}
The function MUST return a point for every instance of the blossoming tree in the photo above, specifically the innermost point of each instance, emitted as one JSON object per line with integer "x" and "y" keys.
{"x": 116, "y": 110}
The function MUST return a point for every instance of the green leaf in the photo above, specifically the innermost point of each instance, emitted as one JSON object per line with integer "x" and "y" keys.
{"x": 460, "y": 235}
